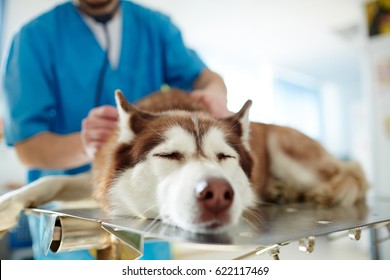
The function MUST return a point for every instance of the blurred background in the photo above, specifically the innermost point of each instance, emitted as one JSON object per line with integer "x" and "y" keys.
{"x": 316, "y": 65}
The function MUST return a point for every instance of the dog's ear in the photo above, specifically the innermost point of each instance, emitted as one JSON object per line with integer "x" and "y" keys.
{"x": 131, "y": 119}
{"x": 241, "y": 124}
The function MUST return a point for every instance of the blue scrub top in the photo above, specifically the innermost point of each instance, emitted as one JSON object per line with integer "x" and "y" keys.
{"x": 52, "y": 71}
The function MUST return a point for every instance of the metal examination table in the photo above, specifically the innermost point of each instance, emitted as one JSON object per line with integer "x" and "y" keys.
{"x": 264, "y": 231}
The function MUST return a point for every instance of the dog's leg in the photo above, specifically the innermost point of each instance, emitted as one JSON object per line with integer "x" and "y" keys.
{"x": 46, "y": 189}
{"x": 304, "y": 165}
{"x": 346, "y": 187}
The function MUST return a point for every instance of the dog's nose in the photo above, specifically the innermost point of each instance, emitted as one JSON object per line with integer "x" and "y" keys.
{"x": 215, "y": 195}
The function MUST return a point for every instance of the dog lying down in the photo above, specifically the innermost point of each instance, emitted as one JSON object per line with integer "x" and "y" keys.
{"x": 171, "y": 160}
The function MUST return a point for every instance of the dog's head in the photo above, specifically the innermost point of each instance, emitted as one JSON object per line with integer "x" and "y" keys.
{"x": 186, "y": 168}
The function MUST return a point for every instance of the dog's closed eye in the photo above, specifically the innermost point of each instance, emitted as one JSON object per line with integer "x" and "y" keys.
{"x": 222, "y": 156}
{"x": 170, "y": 155}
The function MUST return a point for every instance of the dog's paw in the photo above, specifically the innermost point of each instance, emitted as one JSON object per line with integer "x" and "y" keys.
{"x": 280, "y": 192}
{"x": 320, "y": 195}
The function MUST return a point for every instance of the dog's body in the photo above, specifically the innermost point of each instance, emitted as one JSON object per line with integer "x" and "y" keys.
{"x": 161, "y": 160}
{"x": 171, "y": 160}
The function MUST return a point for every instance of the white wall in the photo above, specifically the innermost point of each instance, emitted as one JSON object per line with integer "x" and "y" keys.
{"x": 377, "y": 56}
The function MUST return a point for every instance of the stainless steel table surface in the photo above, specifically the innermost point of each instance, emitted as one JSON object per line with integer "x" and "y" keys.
{"x": 268, "y": 224}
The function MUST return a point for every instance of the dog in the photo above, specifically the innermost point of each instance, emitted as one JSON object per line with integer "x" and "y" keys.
{"x": 169, "y": 159}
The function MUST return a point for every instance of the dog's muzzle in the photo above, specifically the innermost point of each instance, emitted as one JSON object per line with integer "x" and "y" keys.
{"x": 215, "y": 197}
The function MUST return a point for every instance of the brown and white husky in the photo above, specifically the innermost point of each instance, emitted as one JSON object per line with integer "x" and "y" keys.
{"x": 171, "y": 160}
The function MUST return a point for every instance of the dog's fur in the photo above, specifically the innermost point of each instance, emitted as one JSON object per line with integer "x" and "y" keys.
{"x": 170, "y": 159}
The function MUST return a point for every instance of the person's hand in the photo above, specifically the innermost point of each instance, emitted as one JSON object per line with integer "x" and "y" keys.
{"x": 97, "y": 127}
{"x": 215, "y": 101}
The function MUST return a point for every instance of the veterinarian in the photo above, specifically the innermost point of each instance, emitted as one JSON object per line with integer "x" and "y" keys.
{"x": 61, "y": 73}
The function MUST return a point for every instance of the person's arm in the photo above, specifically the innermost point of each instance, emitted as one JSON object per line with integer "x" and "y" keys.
{"x": 210, "y": 89}
{"x": 53, "y": 151}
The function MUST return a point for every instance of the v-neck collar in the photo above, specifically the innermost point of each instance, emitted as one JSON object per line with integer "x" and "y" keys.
{"x": 114, "y": 28}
